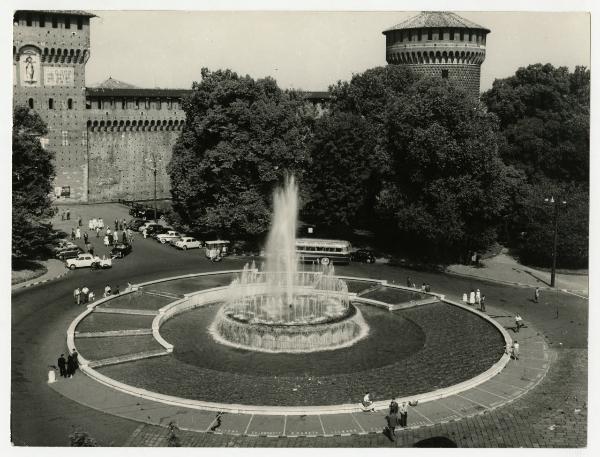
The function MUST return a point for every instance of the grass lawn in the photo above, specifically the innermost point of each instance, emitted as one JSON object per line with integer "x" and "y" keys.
{"x": 26, "y": 270}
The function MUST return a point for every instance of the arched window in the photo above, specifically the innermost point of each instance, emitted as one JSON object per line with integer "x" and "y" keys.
{"x": 30, "y": 102}
{"x": 50, "y": 103}
{"x": 70, "y": 103}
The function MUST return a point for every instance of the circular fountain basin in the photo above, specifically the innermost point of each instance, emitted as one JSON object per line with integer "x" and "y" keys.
{"x": 326, "y": 334}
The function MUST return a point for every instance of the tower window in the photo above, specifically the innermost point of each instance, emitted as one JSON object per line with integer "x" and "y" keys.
{"x": 124, "y": 103}
{"x": 420, "y": 35}
{"x": 28, "y": 20}
{"x": 54, "y": 22}
{"x": 410, "y": 35}
{"x": 79, "y": 23}
{"x": 147, "y": 104}
{"x": 30, "y": 103}
{"x": 462, "y": 35}
{"x": 50, "y": 103}
{"x": 470, "y": 36}
{"x": 451, "y": 34}
{"x": 137, "y": 103}
{"x": 430, "y": 34}
{"x": 158, "y": 103}
{"x": 70, "y": 103}
{"x": 445, "y": 74}
{"x": 67, "y": 22}
{"x": 42, "y": 20}
{"x": 99, "y": 104}
{"x": 169, "y": 103}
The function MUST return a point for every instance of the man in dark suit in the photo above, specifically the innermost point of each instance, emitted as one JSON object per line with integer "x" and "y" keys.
{"x": 62, "y": 365}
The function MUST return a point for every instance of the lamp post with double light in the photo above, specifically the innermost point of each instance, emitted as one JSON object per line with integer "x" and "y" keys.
{"x": 556, "y": 204}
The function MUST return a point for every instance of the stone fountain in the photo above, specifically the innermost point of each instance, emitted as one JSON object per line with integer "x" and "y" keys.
{"x": 281, "y": 308}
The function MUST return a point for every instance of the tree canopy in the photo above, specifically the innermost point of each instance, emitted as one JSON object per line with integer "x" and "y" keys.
{"x": 240, "y": 138}
{"x": 544, "y": 115}
{"x": 32, "y": 174}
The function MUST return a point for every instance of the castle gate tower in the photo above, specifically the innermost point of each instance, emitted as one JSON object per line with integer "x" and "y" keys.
{"x": 50, "y": 50}
{"x": 439, "y": 44}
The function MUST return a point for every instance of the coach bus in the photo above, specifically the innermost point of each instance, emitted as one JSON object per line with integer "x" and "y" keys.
{"x": 323, "y": 251}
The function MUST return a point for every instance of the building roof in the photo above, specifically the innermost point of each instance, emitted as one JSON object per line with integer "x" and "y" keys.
{"x": 111, "y": 83}
{"x": 69, "y": 12}
{"x": 135, "y": 92}
{"x": 436, "y": 19}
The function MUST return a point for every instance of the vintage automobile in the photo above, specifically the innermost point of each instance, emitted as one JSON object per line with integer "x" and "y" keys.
{"x": 135, "y": 224}
{"x": 87, "y": 260}
{"x": 120, "y": 250}
{"x": 69, "y": 253}
{"x": 362, "y": 255}
{"x": 168, "y": 236}
{"x": 187, "y": 242}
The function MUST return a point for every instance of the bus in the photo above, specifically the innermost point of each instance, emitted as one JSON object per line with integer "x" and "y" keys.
{"x": 323, "y": 251}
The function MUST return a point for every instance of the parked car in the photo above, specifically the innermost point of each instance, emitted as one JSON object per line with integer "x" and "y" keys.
{"x": 120, "y": 250}
{"x": 149, "y": 227}
{"x": 166, "y": 237}
{"x": 362, "y": 255}
{"x": 135, "y": 224}
{"x": 156, "y": 229}
{"x": 87, "y": 260}
{"x": 173, "y": 241}
{"x": 69, "y": 253}
{"x": 187, "y": 242}
{"x": 63, "y": 245}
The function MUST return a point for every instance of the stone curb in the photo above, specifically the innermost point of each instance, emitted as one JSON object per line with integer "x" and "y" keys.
{"x": 19, "y": 286}
{"x": 192, "y": 301}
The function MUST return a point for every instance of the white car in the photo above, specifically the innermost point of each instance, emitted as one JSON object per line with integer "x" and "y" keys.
{"x": 86, "y": 260}
{"x": 187, "y": 242}
{"x": 167, "y": 237}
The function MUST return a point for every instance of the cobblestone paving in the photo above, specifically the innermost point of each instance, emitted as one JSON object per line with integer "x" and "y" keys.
{"x": 552, "y": 415}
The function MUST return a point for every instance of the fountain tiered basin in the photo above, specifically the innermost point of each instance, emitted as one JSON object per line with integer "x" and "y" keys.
{"x": 265, "y": 314}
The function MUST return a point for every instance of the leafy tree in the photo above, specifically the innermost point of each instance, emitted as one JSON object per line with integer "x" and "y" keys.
{"x": 447, "y": 186}
{"x": 544, "y": 115}
{"x": 240, "y": 138}
{"x": 32, "y": 175}
{"x": 82, "y": 439}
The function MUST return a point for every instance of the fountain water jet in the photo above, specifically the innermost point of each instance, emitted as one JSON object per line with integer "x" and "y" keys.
{"x": 282, "y": 309}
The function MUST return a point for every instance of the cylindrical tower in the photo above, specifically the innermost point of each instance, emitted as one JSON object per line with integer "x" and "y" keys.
{"x": 439, "y": 44}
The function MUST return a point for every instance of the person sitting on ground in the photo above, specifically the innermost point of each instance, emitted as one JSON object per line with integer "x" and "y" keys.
{"x": 367, "y": 403}
{"x": 107, "y": 291}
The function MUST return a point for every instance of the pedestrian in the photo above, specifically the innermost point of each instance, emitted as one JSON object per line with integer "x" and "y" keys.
{"x": 423, "y": 287}
{"x": 106, "y": 240}
{"x": 403, "y": 410}
{"x": 62, "y": 365}
{"x": 472, "y": 298}
{"x": 117, "y": 292}
{"x": 393, "y": 406}
{"x": 91, "y": 249}
{"x": 392, "y": 423}
{"x": 62, "y": 215}
{"x": 73, "y": 234}
{"x": 91, "y": 296}
{"x": 115, "y": 237}
{"x": 70, "y": 366}
{"x": 85, "y": 237}
{"x": 78, "y": 233}
{"x": 97, "y": 232}
{"x": 101, "y": 223}
{"x": 107, "y": 291}
{"x": 409, "y": 282}
{"x": 465, "y": 299}
{"x": 124, "y": 239}
{"x": 518, "y": 322}
{"x": 367, "y": 403}
{"x": 91, "y": 225}
{"x": 110, "y": 239}
{"x": 427, "y": 287}
{"x": 75, "y": 356}
{"x": 77, "y": 296}
{"x": 116, "y": 224}
{"x": 68, "y": 214}
{"x": 123, "y": 224}
{"x": 478, "y": 297}
{"x": 482, "y": 306}
{"x": 515, "y": 350}
{"x": 145, "y": 233}
{"x": 536, "y": 295}
{"x": 84, "y": 294}
{"x": 474, "y": 258}
{"x": 129, "y": 286}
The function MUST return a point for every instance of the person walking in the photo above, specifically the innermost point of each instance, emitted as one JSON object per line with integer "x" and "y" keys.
{"x": 106, "y": 240}
{"x": 84, "y": 294}
{"x": 515, "y": 350}
{"x": 116, "y": 224}
{"x": 62, "y": 215}
{"x": 393, "y": 406}
{"x": 91, "y": 249}
{"x": 78, "y": 233}
{"x": 97, "y": 232}
{"x": 472, "y": 298}
{"x": 79, "y": 221}
{"x": 117, "y": 292}
{"x": 62, "y": 366}
{"x": 403, "y": 410}
{"x": 77, "y": 296}
{"x": 75, "y": 356}
{"x": 110, "y": 238}
{"x": 392, "y": 422}
{"x": 536, "y": 295}
{"x": 465, "y": 299}
{"x": 482, "y": 306}
{"x": 478, "y": 297}
{"x": 91, "y": 296}
{"x": 409, "y": 282}
{"x": 73, "y": 234}
{"x": 85, "y": 237}
{"x": 68, "y": 214}
{"x": 116, "y": 237}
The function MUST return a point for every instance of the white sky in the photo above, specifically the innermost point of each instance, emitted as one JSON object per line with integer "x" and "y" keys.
{"x": 305, "y": 49}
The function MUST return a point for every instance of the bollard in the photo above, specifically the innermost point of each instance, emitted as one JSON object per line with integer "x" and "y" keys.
{"x": 51, "y": 376}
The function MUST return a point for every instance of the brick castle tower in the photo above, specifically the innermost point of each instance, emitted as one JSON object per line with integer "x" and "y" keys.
{"x": 50, "y": 50}
{"x": 439, "y": 44}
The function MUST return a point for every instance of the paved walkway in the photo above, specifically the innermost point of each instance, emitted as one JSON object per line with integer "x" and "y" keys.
{"x": 505, "y": 269}
{"x": 56, "y": 269}
{"x": 517, "y": 378}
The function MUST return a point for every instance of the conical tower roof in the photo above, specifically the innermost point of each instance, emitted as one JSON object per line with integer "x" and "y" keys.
{"x": 436, "y": 19}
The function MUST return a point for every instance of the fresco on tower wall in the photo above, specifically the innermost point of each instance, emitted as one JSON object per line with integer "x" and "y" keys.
{"x": 30, "y": 69}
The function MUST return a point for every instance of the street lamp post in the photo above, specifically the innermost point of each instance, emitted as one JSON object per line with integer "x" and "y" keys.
{"x": 555, "y": 204}
{"x": 153, "y": 162}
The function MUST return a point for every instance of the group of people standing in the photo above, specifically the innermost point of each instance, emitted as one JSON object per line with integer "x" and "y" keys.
{"x": 115, "y": 237}
{"x": 397, "y": 415}
{"x": 475, "y": 297}
{"x": 83, "y": 295}
{"x": 67, "y": 367}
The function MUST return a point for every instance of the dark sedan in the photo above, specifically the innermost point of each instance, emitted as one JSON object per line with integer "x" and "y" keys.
{"x": 363, "y": 255}
{"x": 70, "y": 253}
{"x": 120, "y": 251}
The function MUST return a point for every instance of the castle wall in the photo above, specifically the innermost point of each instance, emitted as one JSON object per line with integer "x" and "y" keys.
{"x": 468, "y": 76}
